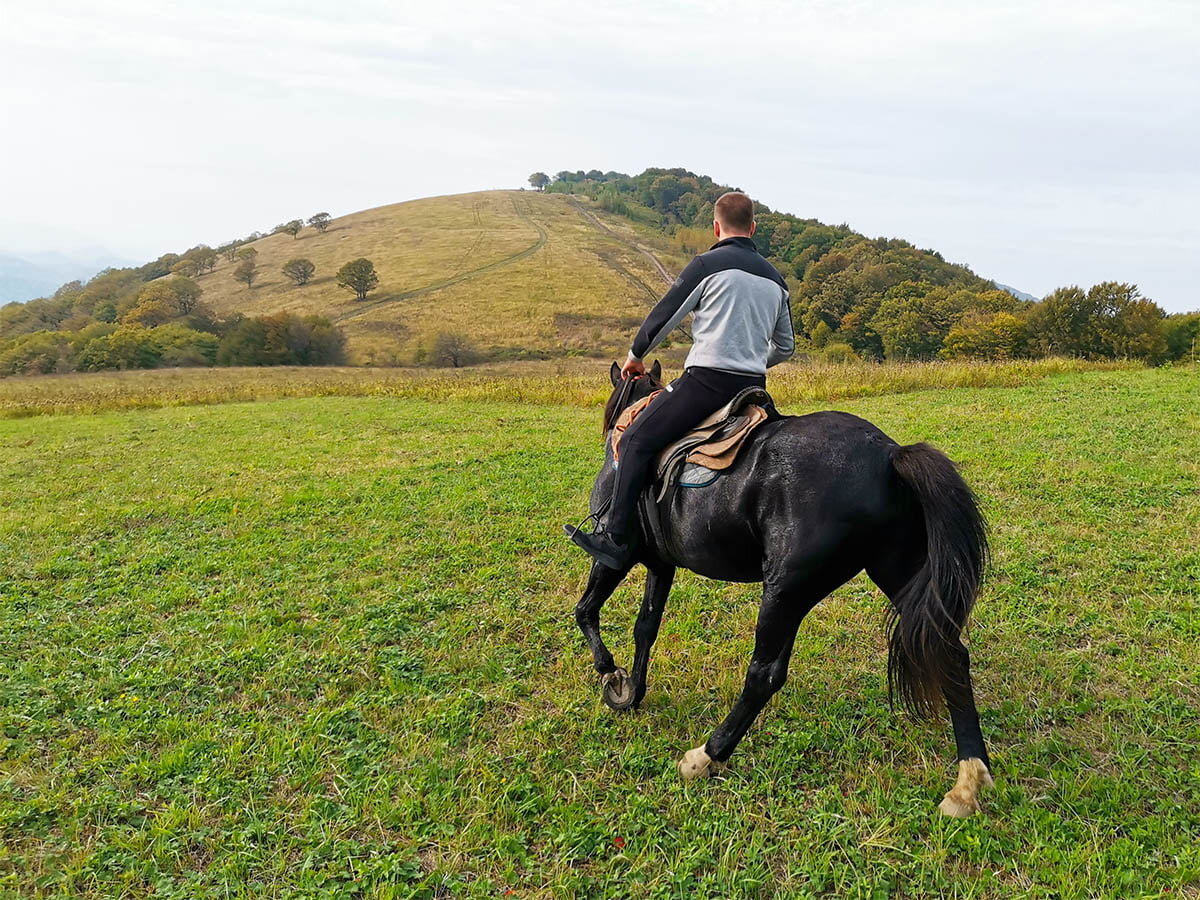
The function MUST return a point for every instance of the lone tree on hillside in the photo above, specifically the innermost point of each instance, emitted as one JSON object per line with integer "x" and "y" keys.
{"x": 246, "y": 271}
{"x": 293, "y": 228}
{"x": 246, "y": 253}
{"x": 450, "y": 349}
{"x": 320, "y": 221}
{"x": 359, "y": 276}
{"x": 539, "y": 180}
{"x": 299, "y": 270}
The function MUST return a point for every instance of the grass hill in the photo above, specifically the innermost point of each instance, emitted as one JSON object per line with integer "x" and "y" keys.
{"x": 517, "y": 273}
{"x": 501, "y": 276}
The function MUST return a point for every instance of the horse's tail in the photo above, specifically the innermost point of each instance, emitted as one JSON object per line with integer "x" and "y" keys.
{"x": 929, "y": 613}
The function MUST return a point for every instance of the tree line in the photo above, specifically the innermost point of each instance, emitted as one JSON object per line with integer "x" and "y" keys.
{"x": 152, "y": 315}
{"x": 118, "y": 321}
{"x": 883, "y": 298}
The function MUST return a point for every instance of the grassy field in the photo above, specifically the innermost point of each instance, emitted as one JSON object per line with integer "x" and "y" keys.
{"x": 515, "y": 271}
{"x": 323, "y": 647}
{"x": 575, "y": 382}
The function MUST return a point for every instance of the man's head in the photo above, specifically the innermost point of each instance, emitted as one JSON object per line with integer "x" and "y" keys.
{"x": 733, "y": 216}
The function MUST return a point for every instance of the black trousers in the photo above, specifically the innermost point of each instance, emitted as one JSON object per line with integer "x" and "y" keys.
{"x": 686, "y": 402}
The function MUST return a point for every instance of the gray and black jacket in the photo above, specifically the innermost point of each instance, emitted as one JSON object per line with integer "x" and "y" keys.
{"x": 742, "y": 321}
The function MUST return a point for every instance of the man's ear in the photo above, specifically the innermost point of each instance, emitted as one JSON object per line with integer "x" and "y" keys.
{"x": 615, "y": 374}
{"x": 656, "y": 371}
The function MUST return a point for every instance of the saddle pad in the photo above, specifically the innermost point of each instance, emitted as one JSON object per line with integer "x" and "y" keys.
{"x": 695, "y": 475}
{"x": 625, "y": 419}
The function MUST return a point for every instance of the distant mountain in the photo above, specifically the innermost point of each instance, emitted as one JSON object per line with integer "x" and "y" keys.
{"x": 1020, "y": 295}
{"x": 41, "y": 274}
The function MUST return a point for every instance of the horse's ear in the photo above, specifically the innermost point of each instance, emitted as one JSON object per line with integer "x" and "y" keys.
{"x": 656, "y": 371}
{"x": 615, "y": 374}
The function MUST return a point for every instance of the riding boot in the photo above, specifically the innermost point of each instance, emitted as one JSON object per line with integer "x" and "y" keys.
{"x": 612, "y": 550}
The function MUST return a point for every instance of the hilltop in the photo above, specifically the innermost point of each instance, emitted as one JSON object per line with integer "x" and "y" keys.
{"x": 499, "y": 276}
{"x": 518, "y": 274}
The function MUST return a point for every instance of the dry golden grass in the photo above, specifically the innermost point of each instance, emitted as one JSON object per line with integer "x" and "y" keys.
{"x": 517, "y": 272}
{"x": 574, "y": 382}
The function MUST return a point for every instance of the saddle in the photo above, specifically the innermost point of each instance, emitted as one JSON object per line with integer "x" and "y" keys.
{"x": 699, "y": 457}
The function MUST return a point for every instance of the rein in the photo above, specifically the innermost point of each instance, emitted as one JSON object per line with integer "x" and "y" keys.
{"x": 622, "y": 400}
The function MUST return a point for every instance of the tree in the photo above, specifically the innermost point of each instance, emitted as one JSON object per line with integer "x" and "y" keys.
{"x": 246, "y": 271}
{"x": 246, "y": 253}
{"x": 299, "y": 270}
{"x": 186, "y": 267}
{"x": 294, "y": 227}
{"x": 451, "y": 349}
{"x": 169, "y": 297}
{"x": 320, "y": 221}
{"x": 1064, "y": 323}
{"x": 129, "y": 347}
{"x": 187, "y": 294}
{"x": 243, "y": 344}
{"x": 204, "y": 257}
{"x": 539, "y": 180}
{"x": 228, "y": 250}
{"x": 980, "y": 335}
{"x": 359, "y": 276}
{"x": 1182, "y": 332}
{"x": 150, "y": 313}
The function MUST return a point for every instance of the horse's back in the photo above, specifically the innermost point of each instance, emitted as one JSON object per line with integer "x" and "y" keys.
{"x": 823, "y": 477}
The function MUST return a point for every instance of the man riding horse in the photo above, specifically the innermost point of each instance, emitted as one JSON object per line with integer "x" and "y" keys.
{"x": 809, "y": 503}
{"x": 741, "y": 326}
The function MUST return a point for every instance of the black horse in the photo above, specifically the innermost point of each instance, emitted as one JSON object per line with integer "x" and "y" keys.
{"x": 810, "y": 502}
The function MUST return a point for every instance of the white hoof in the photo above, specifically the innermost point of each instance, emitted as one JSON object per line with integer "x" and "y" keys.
{"x": 696, "y": 763}
{"x": 963, "y": 800}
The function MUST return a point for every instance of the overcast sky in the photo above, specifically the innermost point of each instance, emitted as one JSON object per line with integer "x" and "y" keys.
{"x": 1041, "y": 143}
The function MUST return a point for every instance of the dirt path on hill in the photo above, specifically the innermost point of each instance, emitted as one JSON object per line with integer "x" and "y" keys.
{"x": 363, "y": 309}
{"x": 594, "y": 220}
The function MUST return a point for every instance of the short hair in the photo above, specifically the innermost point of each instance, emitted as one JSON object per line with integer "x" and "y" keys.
{"x": 735, "y": 211}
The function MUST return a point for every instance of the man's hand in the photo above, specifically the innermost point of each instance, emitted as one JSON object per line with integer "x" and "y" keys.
{"x": 633, "y": 366}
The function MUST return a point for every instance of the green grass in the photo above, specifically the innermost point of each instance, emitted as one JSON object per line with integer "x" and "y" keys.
{"x": 323, "y": 647}
{"x": 516, "y": 272}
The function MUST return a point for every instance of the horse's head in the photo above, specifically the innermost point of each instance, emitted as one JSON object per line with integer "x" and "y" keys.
{"x": 629, "y": 390}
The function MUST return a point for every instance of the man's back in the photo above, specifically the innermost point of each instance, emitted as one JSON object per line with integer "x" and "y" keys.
{"x": 742, "y": 322}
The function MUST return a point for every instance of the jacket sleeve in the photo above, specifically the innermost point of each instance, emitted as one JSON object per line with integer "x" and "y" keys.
{"x": 783, "y": 339}
{"x": 679, "y": 300}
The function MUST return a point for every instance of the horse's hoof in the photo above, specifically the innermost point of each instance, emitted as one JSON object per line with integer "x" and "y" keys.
{"x": 963, "y": 800}
{"x": 696, "y": 763}
{"x": 617, "y": 688}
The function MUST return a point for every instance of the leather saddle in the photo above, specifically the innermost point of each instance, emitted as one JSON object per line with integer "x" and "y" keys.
{"x": 698, "y": 457}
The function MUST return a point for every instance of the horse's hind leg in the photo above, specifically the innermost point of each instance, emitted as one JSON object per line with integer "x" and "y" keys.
{"x": 892, "y": 574}
{"x": 974, "y": 767}
{"x": 602, "y": 581}
{"x": 779, "y": 618}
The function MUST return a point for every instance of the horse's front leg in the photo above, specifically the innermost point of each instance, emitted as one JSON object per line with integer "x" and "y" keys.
{"x": 626, "y": 692}
{"x": 602, "y": 581}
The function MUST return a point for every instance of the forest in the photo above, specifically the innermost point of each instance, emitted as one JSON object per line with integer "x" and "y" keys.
{"x": 855, "y": 297}
{"x": 153, "y": 316}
